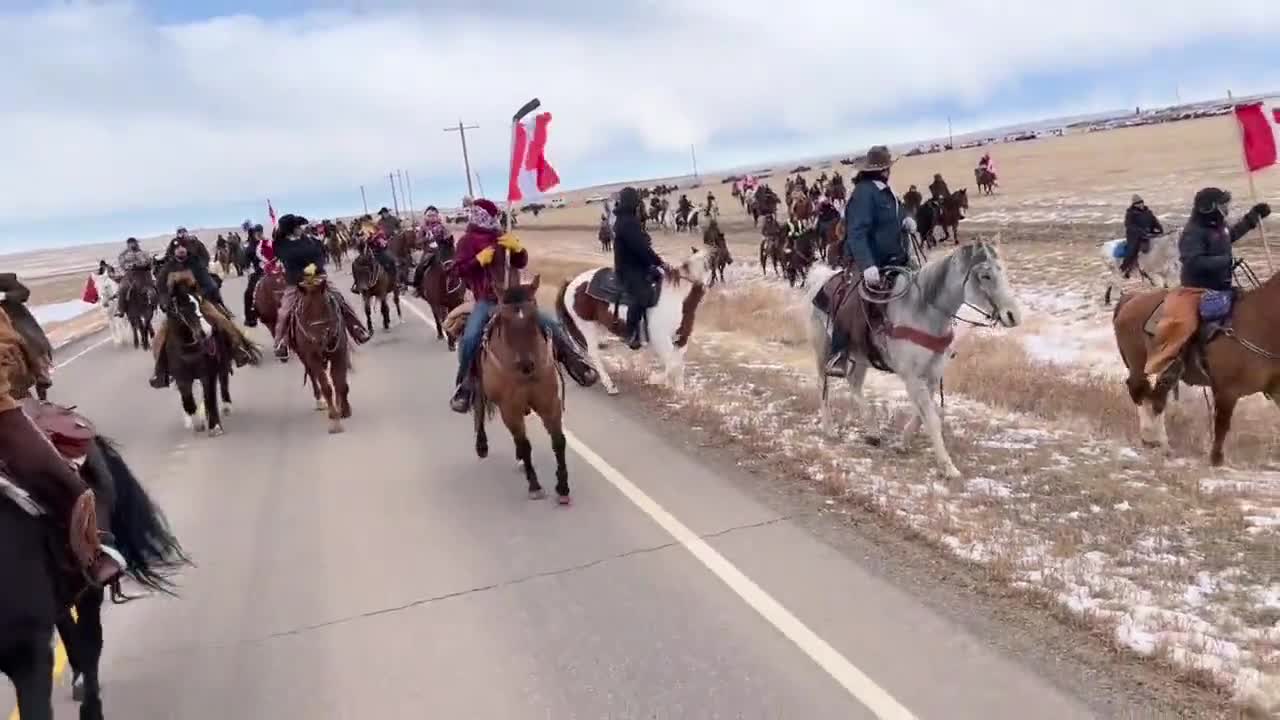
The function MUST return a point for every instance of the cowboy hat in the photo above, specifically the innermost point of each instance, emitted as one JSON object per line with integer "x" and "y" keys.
{"x": 877, "y": 158}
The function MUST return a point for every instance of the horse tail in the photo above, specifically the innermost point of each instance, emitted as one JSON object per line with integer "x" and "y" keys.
{"x": 566, "y": 319}
{"x": 142, "y": 533}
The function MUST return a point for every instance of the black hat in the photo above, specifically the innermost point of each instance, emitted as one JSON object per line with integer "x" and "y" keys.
{"x": 384, "y": 211}
{"x": 290, "y": 223}
{"x": 1208, "y": 200}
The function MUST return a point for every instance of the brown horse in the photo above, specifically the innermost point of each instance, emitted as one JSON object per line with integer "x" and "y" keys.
{"x": 401, "y": 246}
{"x": 374, "y": 281}
{"x": 985, "y": 179}
{"x": 319, "y": 336}
{"x": 518, "y": 375}
{"x": 771, "y": 246}
{"x": 833, "y": 240}
{"x": 801, "y": 208}
{"x": 436, "y": 283}
{"x": 606, "y": 236}
{"x": 1240, "y": 358}
{"x": 336, "y": 247}
{"x": 799, "y": 256}
{"x": 719, "y": 258}
{"x": 946, "y": 214}
{"x": 267, "y": 296}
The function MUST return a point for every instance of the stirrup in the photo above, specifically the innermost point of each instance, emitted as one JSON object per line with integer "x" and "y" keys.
{"x": 837, "y": 366}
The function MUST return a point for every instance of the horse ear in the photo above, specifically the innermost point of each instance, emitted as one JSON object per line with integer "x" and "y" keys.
{"x": 693, "y": 250}
{"x": 533, "y": 286}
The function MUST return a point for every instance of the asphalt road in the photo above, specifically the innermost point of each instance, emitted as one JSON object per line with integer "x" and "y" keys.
{"x": 388, "y": 573}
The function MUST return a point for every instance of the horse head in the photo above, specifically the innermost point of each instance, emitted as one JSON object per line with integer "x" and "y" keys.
{"x": 987, "y": 287}
{"x": 517, "y": 329}
{"x": 693, "y": 269}
{"x": 183, "y": 310}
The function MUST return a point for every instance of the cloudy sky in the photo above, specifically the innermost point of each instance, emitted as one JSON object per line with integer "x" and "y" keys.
{"x": 129, "y": 117}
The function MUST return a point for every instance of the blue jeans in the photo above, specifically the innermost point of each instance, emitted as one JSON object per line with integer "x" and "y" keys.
{"x": 474, "y": 333}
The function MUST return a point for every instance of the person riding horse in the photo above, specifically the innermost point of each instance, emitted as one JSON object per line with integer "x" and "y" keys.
{"x": 388, "y": 222}
{"x": 912, "y": 199}
{"x": 634, "y": 262}
{"x": 31, "y": 462}
{"x": 253, "y": 259}
{"x": 1140, "y": 225}
{"x": 37, "y": 353}
{"x": 873, "y": 240}
{"x": 132, "y": 260}
{"x": 475, "y": 255}
{"x": 379, "y": 245}
{"x": 183, "y": 255}
{"x": 1207, "y": 265}
{"x": 938, "y": 190}
{"x": 435, "y": 238}
{"x": 303, "y": 255}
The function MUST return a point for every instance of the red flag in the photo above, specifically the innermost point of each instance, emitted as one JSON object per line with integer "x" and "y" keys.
{"x": 531, "y": 172}
{"x": 271, "y": 213}
{"x": 1260, "y": 132}
{"x": 90, "y": 292}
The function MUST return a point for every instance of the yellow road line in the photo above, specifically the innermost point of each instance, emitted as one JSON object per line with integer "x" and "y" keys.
{"x": 59, "y": 666}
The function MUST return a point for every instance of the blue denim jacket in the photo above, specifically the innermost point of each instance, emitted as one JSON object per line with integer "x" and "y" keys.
{"x": 873, "y": 226}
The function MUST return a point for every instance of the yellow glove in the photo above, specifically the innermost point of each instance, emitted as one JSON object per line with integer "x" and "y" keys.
{"x": 485, "y": 256}
{"x": 310, "y": 270}
{"x": 511, "y": 243}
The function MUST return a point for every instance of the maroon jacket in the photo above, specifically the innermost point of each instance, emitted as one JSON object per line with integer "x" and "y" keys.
{"x": 474, "y": 275}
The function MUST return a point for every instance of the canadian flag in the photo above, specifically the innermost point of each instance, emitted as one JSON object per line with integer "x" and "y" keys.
{"x": 531, "y": 173}
{"x": 271, "y": 213}
{"x": 90, "y": 292}
{"x": 1260, "y": 129}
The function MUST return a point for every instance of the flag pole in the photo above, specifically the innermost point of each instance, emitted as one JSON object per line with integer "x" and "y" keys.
{"x": 1253, "y": 189}
{"x": 525, "y": 109}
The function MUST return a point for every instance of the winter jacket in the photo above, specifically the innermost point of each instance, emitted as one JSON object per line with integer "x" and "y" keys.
{"x": 873, "y": 226}
{"x": 296, "y": 255}
{"x": 1140, "y": 223}
{"x": 474, "y": 275}
{"x": 1206, "y": 251}
{"x": 938, "y": 189}
{"x": 632, "y": 247}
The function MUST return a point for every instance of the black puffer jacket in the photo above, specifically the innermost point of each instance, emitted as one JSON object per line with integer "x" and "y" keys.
{"x": 1140, "y": 223}
{"x": 632, "y": 247}
{"x": 1205, "y": 249}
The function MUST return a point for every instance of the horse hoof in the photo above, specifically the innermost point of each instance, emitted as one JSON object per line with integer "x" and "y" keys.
{"x": 346, "y": 413}
{"x": 320, "y": 405}
{"x": 537, "y": 494}
{"x": 482, "y": 452}
{"x": 612, "y": 390}
{"x": 564, "y": 500}
{"x": 77, "y": 688}
{"x": 519, "y": 466}
{"x": 335, "y": 427}
{"x": 952, "y": 473}
{"x": 187, "y": 422}
{"x": 876, "y": 441}
{"x": 216, "y": 431}
{"x": 227, "y": 408}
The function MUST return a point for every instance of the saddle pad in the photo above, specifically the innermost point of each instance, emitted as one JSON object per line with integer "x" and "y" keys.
{"x": 604, "y": 287}
{"x": 69, "y": 431}
{"x": 456, "y": 320}
{"x": 1118, "y": 251}
{"x": 1215, "y": 306}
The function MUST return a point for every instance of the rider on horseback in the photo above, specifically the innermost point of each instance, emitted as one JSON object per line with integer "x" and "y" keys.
{"x": 435, "y": 239}
{"x": 873, "y": 239}
{"x": 1207, "y": 265}
{"x": 1140, "y": 225}
{"x": 132, "y": 260}
{"x": 183, "y": 255}
{"x": 476, "y": 251}
{"x": 30, "y": 461}
{"x": 634, "y": 261}
{"x": 912, "y": 199}
{"x": 254, "y": 261}
{"x": 304, "y": 255}
{"x": 938, "y": 190}
{"x": 378, "y": 245}
{"x": 37, "y": 352}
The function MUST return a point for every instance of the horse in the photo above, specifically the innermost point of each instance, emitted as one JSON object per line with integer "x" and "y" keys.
{"x": 915, "y": 342}
{"x": 606, "y": 236}
{"x": 196, "y": 351}
{"x": 223, "y": 257}
{"x": 719, "y": 257}
{"x": 36, "y": 567}
{"x": 109, "y": 300}
{"x": 336, "y": 248}
{"x": 1235, "y": 358}
{"x": 518, "y": 375}
{"x": 1160, "y": 261}
{"x": 799, "y": 256}
{"x": 319, "y": 337}
{"x": 374, "y": 281}
{"x": 985, "y": 179}
{"x": 945, "y": 214}
{"x": 592, "y": 303}
{"x": 832, "y": 243}
{"x": 239, "y": 258}
{"x": 436, "y": 283}
{"x": 267, "y": 297}
{"x": 771, "y": 246}
{"x": 801, "y": 209}
{"x": 836, "y": 191}
{"x": 140, "y": 305}
{"x": 401, "y": 246}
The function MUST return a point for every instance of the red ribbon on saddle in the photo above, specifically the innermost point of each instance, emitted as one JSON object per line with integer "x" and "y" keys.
{"x": 933, "y": 343}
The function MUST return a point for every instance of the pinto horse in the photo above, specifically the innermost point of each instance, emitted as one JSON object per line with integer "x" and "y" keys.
{"x": 41, "y": 587}
{"x": 1237, "y": 359}
{"x": 518, "y": 375}
{"x": 592, "y": 302}
{"x": 318, "y": 335}
{"x": 196, "y": 351}
{"x": 268, "y": 294}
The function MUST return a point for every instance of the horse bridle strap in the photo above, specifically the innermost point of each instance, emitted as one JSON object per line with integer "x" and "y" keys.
{"x": 934, "y": 343}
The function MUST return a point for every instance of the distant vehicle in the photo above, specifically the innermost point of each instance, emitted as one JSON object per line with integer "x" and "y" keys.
{"x": 557, "y": 202}
{"x": 597, "y": 199}
{"x": 801, "y": 168}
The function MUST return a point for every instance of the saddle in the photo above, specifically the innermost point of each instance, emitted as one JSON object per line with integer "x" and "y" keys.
{"x": 605, "y": 287}
{"x": 847, "y": 310}
{"x": 70, "y": 432}
{"x": 1215, "y": 317}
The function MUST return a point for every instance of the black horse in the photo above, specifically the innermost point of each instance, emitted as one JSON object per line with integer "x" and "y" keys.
{"x": 196, "y": 353}
{"x": 41, "y": 586}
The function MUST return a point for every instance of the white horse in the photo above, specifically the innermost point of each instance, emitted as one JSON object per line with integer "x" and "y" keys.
{"x": 108, "y": 298}
{"x": 670, "y": 322}
{"x": 1159, "y": 262}
{"x": 920, "y": 331}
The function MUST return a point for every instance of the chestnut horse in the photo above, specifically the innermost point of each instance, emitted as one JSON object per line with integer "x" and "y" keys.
{"x": 318, "y": 335}
{"x": 1241, "y": 358}
{"x": 376, "y": 282}
{"x": 267, "y": 296}
{"x": 436, "y": 283}
{"x": 517, "y": 376}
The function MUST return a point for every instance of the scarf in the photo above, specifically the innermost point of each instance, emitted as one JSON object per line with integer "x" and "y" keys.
{"x": 480, "y": 218}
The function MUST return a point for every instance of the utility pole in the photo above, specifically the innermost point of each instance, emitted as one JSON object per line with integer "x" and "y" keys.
{"x": 480, "y": 183}
{"x": 409, "y": 186}
{"x": 395, "y": 204}
{"x": 404, "y": 197}
{"x": 466, "y": 161}
{"x": 951, "y": 138}
{"x": 694, "y": 155}
{"x": 364, "y": 200}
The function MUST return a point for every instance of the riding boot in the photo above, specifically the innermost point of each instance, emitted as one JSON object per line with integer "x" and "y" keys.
{"x": 462, "y": 396}
{"x": 838, "y": 361}
{"x": 33, "y": 463}
{"x": 573, "y": 359}
{"x": 635, "y": 318}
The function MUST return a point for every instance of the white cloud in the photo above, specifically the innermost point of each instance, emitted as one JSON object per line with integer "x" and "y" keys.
{"x": 106, "y": 111}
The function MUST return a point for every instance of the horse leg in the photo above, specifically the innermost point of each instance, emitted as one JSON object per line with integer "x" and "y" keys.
{"x": 321, "y": 376}
{"x": 857, "y": 378}
{"x": 554, "y": 425}
{"x": 224, "y": 381}
{"x": 31, "y": 673}
{"x": 386, "y": 312}
{"x": 513, "y": 418}
{"x": 87, "y": 641}
{"x": 339, "y": 367}
{"x": 921, "y": 395}
{"x": 368, "y": 312}
{"x": 209, "y": 388}
{"x": 1224, "y": 406}
{"x": 478, "y": 418}
{"x": 191, "y": 418}
{"x": 399, "y": 312}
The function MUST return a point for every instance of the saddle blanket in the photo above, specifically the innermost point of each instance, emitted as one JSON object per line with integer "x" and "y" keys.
{"x": 604, "y": 286}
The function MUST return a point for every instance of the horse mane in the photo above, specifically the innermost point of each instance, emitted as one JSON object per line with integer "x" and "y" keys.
{"x": 933, "y": 276}
{"x": 181, "y": 277}
{"x": 517, "y": 295}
